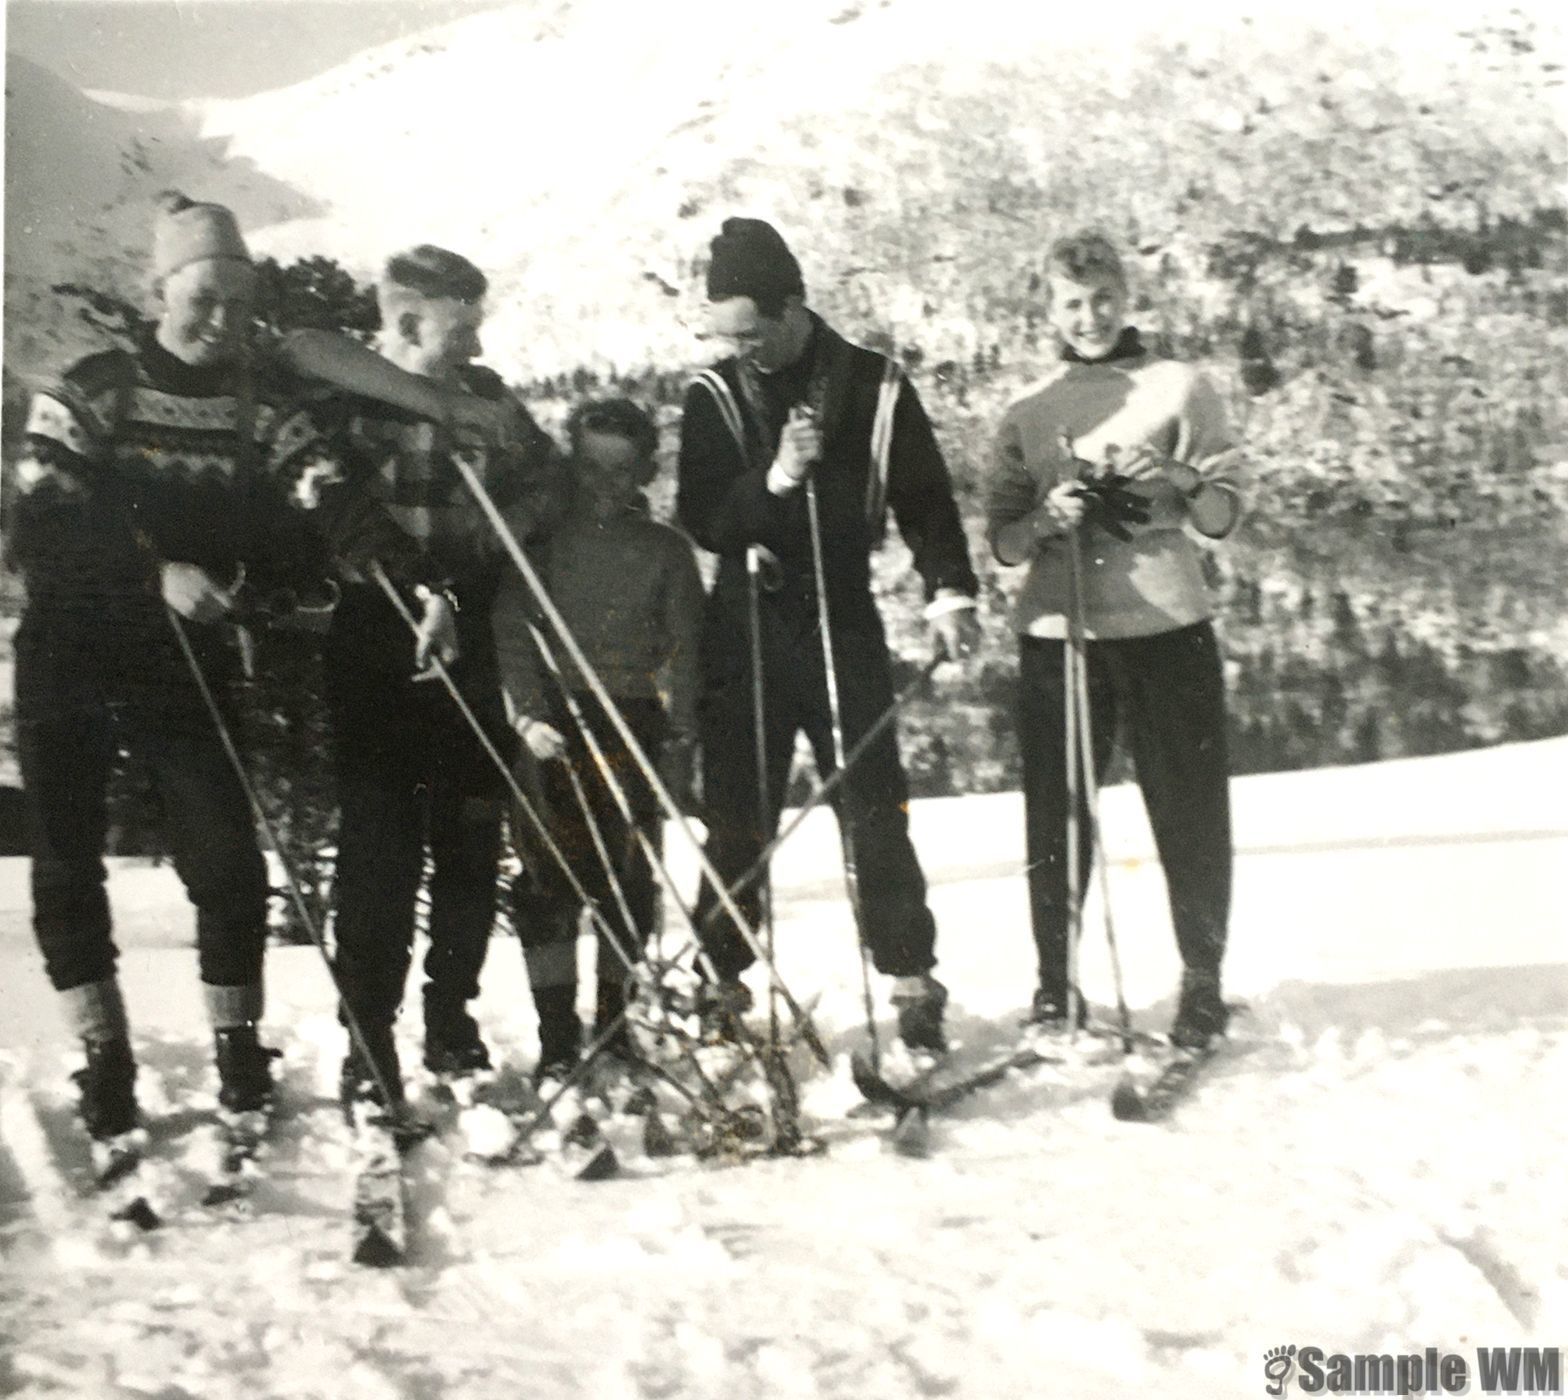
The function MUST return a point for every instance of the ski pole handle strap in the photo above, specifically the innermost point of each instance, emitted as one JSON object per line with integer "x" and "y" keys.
{"x": 423, "y": 593}
{"x": 948, "y": 602}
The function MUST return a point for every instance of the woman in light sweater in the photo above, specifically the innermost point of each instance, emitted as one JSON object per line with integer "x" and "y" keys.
{"x": 1130, "y": 452}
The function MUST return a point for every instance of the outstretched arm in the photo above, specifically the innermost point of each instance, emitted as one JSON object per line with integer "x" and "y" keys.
{"x": 330, "y": 357}
{"x": 339, "y": 360}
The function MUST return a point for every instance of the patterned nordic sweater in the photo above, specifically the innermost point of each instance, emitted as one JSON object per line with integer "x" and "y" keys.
{"x": 404, "y": 467}
{"x": 135, "y": 458}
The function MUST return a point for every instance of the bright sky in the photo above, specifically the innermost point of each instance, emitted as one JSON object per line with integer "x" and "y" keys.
{"x": 232, "y": 48}
{"x": 210, "y": 48}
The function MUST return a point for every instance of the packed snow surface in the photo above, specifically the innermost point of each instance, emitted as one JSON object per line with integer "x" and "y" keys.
{"x": 1374, "y": 1165}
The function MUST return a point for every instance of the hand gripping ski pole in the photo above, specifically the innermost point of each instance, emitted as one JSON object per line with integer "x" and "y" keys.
{"x": 672, "y": 810}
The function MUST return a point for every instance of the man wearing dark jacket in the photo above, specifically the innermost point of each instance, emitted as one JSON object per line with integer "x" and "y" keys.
{"x": 799, "y": 410}
{"x": 412, "y": 775}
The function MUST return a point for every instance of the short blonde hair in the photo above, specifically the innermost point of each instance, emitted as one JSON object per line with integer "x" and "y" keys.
{"x": 1085, "y": 256}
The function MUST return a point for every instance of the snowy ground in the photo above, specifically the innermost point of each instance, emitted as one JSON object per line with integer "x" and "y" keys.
{"x": 1377, "y": 1166}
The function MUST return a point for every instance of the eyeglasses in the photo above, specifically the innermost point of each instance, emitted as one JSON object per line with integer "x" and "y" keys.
{"x": 742, "y": 338}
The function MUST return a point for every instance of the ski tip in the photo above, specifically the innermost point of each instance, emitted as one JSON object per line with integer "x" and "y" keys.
{"x": 657, "y": 1139}
{"x": 1127, "y": 1104}
{"x": 138, "y": 1213}
{"x": 866, "y": 1079}
{"x": 376, "y": 1249}
{"x": 869, "y": 1081}
{"x": 115, "y": 1165}
{"x": 601, "y": 1165}
{"x": 912, "y": 1133}
{"x": 224, "y": 1193}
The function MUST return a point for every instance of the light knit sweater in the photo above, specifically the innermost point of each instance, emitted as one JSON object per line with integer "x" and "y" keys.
{"x": 630, "y": 592}
{"x": 1153, "y": 582}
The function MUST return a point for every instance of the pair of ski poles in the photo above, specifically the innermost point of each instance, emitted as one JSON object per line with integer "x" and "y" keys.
{"x": 612, "y": 781}
{"x": 844, "y": 759}
{"x": 841, "y": 762}
{"x": 726, "y": 894}
{"x": 1083, "y": 798}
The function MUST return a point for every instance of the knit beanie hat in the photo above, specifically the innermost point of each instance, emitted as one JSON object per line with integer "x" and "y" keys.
{"x": 185, "y": 232}
{"x": 750, "y": 259}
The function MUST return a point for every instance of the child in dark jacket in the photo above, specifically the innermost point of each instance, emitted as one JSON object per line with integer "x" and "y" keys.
{"x": 629, "y": 590}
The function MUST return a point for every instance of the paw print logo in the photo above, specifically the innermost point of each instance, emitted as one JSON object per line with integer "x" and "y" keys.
{"x": 1278, "y": 1363}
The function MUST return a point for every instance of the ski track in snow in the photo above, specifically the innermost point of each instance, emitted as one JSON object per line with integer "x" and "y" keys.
{"x": 1374, "y": 1164}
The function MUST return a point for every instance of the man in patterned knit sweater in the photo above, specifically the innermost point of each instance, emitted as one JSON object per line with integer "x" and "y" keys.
{"x": 410, "y": 769}
{"x": 797, "y": 402}
{"x": 1154, "y": 667}
{"x": 144, "y": 493}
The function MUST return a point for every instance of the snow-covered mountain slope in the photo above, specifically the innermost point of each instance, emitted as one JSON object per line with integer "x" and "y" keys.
{"x": 585, "y": 151}
{"x": 1376, "y": 1166}
{"x": 80, "y": 174}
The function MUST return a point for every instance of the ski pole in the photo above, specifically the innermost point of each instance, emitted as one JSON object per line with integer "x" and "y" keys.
{"x": 824, "y": 790}
{"x": 611, "y": 874}
{"x": 773, "y": 1070}
{"x": 307, "y": 920}
{"x": 527, "y": 807}
{"x": 1078, "y": 699}
{"x": 836, "y": 722}
{"x": 1070, "y": 711}
{"x": 1098, "y": 855}
{"x": 706, "y": 1087}
{"x": 596, "y": 687}
{"x": 759, "y": 724}
{"x": 623, "y": 902}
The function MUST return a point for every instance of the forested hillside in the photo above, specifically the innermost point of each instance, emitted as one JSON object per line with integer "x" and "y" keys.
{"x": 1360, "y": 234}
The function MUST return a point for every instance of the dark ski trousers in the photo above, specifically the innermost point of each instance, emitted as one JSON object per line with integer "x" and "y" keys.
{"x": 871, "y": 803}
{"x": 545, "y": 906}
{"x": 410, "y": 772}
{"x": 82, "y": 692}
{"x": 1165, "y": 695}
